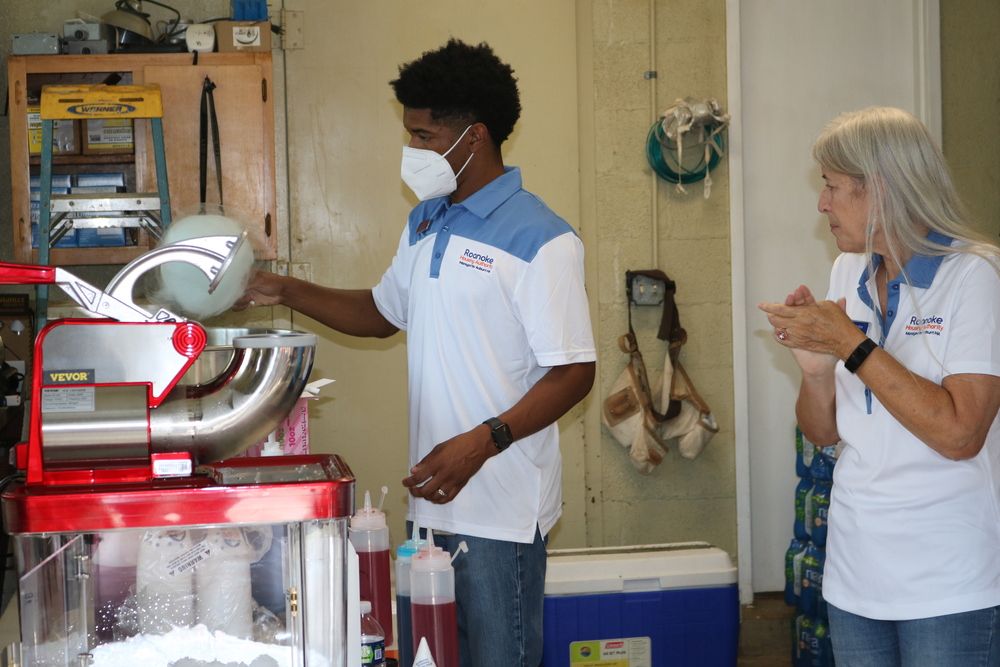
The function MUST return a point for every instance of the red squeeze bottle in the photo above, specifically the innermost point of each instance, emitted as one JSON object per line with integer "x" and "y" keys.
{"x": 432, "y": 603}
{"x": 370, "y": 537}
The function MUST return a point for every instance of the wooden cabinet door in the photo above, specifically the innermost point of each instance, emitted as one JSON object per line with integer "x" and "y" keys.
{"x": 245, "y": 110}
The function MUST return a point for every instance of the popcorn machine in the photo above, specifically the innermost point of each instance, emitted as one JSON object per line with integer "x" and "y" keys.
{"x": 139, "y": 540}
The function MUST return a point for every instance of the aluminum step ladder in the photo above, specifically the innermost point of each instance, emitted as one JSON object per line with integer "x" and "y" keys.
{"x": 60, "y": 213}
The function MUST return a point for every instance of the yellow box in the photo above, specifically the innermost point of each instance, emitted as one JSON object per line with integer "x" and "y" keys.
{"x": 65, "y": 135}
{"x": 105, "y": 136}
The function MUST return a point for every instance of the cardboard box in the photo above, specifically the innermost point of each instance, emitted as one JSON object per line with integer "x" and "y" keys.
{"x": 108, "y": 136}
{"x": 58, "y": 181}
{"x": 68, "y": 239}
{"x": 657, "y": 605}
{"x": 292, "y": 434}
{"x": 243, "y": 36}
{"x": 103, "y": 237}
{"x": 95, "y": 180}
{"x": 65, "y": 134}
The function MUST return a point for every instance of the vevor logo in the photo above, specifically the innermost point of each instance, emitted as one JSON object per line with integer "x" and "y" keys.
{"x": 476, "y": 260}
{"x": 84, "y": 376}
{"x": 928, "y": 325}
{"x": 100, "y": 109}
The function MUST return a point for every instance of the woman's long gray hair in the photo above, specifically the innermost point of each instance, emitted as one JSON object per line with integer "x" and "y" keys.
{"x": 891, "y": 155}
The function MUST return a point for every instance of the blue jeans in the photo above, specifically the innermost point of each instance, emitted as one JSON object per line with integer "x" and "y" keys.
{"x": 499, "y": 590}
{"x": 969, "y": 639}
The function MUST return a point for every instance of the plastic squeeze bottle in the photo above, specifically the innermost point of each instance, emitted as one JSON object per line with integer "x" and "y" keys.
{"x": 372, "y": 638}
{"x": 404, "y": 631}
{"x": 370, "y": 537}
{"x": 432, "y": 602}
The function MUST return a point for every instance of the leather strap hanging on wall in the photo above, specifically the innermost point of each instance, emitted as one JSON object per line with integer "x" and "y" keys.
{"x": 670, "y": 326}
{"x": 630, "y": 411}
{"x": 208, "y": 116}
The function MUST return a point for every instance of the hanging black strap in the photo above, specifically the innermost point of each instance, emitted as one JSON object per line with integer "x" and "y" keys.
{"x": 670, "y": 329}
{"x": 208, "y": 115}
{"x": 670, "y": 323}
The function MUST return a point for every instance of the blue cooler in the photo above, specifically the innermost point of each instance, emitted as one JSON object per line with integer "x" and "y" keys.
{"x": 641, "y": 606}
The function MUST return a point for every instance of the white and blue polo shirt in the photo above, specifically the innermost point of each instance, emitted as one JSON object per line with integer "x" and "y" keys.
{"x": 913, "y": 534}
{"x": 491, "y": 294}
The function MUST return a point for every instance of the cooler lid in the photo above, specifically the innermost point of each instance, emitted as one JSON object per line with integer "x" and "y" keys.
{"x": 637, "y": 568}
{"x": 225, "y": 494}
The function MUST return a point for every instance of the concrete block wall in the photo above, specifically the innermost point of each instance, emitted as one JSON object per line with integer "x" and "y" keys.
{"x": 680, "y": 500}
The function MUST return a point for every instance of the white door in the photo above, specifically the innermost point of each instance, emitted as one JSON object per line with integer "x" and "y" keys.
{"x": 802, "y": 63}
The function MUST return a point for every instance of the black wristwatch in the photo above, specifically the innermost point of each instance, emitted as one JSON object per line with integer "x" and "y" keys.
{"x": 861, "y": 352}
{"x": 500, "y": 432}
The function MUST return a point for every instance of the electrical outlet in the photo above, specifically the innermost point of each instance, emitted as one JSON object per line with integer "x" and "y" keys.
{"x": 646, "y": 291}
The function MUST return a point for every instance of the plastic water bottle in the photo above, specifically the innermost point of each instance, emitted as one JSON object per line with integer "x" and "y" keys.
{"x": 820, "y": 511}
{"x": 793, "y": 571}
{"x": 432, "y": 603}
{"x": 805, "y": 632}
{"x": 370, "y": 537}
{"x": 811, "y": 599}
{"x": 821, "y": 467}
{"x": 804, "y": 451}
{"x": 372, "y": 637}
{"x": 802, "y": 528}
{"x": 404, "y": 628}
{"x": 822, "y": 648}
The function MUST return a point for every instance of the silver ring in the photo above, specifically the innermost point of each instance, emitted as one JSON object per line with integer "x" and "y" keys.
{"x": 442, "y": 492}
{"x": 782, "y": 335}
{"x": 252, "y": 303}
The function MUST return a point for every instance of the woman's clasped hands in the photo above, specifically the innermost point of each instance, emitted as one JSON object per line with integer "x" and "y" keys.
{"x": 817, "y": 332}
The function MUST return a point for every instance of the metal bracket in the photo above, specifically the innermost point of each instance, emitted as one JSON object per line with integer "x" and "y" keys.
{"x": 293, "y": 27}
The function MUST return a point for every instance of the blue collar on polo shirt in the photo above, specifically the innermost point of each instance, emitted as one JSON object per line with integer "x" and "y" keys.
{"x": 919, "y": 271}
{"x": 439, "y": 215}
{"x": 488, "y": 198}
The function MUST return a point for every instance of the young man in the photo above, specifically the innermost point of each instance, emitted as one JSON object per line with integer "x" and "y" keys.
{"x": 488, "y": 283}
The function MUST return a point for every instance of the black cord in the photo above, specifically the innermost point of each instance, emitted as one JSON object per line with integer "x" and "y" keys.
{"x": 10, "y": 478}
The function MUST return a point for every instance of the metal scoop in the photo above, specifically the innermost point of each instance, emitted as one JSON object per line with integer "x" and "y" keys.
{"x": 212, "y": 255}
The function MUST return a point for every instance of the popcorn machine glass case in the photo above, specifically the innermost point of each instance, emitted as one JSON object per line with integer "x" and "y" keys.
{"x": 221, "y": 580}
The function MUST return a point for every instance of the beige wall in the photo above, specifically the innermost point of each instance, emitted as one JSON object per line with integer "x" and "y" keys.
{"x": 681, "y": 500}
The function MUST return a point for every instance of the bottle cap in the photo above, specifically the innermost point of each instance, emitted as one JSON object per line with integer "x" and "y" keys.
{"x": 430, "y": 558}
{"x": 412, "y": 545}
{"x": 368, "y": 518}
{"x": 271, "y": 446}
{"x": 366, "y": 607}
{"x": 408, "y": 548}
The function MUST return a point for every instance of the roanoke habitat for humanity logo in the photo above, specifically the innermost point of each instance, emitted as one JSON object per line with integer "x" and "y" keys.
{"x": 926, "y": 325}
{"x": 475, "y": 260}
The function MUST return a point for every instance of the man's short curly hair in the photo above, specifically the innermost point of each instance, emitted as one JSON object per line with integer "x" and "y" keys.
{"x": 462, "y": 84}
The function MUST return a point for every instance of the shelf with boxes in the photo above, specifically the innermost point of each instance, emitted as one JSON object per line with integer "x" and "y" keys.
{"x": 89, "y": 149}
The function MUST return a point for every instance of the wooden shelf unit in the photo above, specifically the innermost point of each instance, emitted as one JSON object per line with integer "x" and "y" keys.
{"x": 245, "y": 107}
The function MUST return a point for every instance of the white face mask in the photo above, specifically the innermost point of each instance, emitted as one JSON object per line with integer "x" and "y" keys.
{"x": 428, "y": 173}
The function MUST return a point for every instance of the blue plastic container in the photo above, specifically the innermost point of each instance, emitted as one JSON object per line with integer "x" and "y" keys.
{"x": 678, "y": 602}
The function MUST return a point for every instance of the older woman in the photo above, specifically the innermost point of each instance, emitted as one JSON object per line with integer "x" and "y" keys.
{"x": 901, "y": 365}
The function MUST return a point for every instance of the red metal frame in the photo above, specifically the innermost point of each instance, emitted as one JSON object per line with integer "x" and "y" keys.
{"x": 191, "y": 501}
{"x": 29, "y": 455}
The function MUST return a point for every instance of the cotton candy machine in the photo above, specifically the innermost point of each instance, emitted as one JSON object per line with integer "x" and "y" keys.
{"x": 139, "y": 539}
